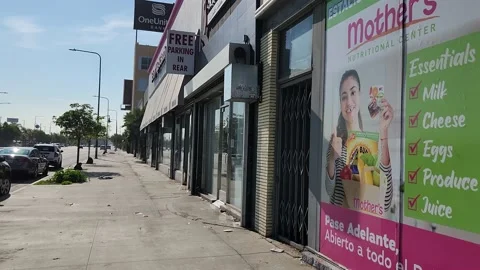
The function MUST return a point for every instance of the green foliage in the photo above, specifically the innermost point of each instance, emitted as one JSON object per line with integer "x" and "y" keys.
{"x": 131, "y": 122}
{"x": 79, "y": 122}
{"x": 65, "y": 183}
{"x": 118, "y": 140}
{"x": 9, "y": 133}
{"x": 71, "y": 175}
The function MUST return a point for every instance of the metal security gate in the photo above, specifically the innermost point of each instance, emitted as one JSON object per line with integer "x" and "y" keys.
{"x": 292, "y": 165}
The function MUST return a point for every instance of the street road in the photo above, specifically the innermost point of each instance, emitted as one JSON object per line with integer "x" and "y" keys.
{"x": 69, "y": 160}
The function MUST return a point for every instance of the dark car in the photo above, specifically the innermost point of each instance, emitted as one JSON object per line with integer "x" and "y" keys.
{"x": 25, "y": 160}
{"x": 5, "y": 174}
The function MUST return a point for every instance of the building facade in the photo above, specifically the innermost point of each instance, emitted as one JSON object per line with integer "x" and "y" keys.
{"x": 223, "y": 141}
{"x": 142, "y": 60}
{"x": 314, "y": 122}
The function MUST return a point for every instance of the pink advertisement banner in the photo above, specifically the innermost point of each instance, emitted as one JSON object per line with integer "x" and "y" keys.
{"x": 362, "y": 241}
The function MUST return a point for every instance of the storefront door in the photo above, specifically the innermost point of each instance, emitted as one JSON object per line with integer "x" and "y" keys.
{"x": 237, "y": 146}
{"x": 211, "y": 153}
{"x": 224, "y": 155}
{"x": 292, "y": 166}
{"x": 186, "y": 148}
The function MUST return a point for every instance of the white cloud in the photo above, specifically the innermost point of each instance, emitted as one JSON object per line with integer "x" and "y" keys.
{"x": 109, "y": 29}
{"x": 26, "y": 30}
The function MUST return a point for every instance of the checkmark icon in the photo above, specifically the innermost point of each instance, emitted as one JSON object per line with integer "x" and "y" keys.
{"x": 412, "y": 148}
{"x": 412, "y": 176}
{"x": 413, "y": 120}
{"x": 412, "y": 202}
{"x": 413, "y": 93}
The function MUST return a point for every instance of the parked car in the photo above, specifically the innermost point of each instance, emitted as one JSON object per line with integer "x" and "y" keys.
{"x": 5, "y": 176}
{"x": 109, "y": 147}
{"x": 52, "y": 153}
{"x": 25, "y": 160}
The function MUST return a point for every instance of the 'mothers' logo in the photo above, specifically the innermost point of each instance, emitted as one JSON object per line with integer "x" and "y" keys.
{"x": 388, "y": 20}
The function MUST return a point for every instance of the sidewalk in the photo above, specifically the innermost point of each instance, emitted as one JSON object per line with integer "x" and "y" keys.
{"x": 139, "y": 219}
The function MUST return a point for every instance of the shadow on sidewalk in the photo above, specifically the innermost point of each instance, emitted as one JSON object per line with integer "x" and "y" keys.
{"x": 99, "y": 165}
{"x": 99, "y": 174}
{"x": 4, "y": 197}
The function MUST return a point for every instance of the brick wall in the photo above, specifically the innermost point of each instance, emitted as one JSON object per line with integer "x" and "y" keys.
{"x": 266, "y": 135}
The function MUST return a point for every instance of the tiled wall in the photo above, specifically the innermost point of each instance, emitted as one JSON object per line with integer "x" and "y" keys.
{"x": 266, "y": 135}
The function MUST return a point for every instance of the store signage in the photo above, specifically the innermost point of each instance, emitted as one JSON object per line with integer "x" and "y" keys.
{"x": 151, "y": 16}
{"x": 240, "y": 83}
{"x": 180, "y": 53}
{"x": 12, "y": 120}
{"x": 213, "y": 7}
{"x": 158, "y": 72}
{"x": 399, "y": 181}
{"x": 176, "y": 57}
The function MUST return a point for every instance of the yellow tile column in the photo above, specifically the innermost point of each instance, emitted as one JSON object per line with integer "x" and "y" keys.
{"x": 266, "y": 135}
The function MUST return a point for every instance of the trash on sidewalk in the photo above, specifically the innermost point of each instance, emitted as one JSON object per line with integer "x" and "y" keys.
{"x": 139, "y": 213}
{"x": 56, "y": 259}
{"x": 228, "y": 230}
{"x": 145, "y": 215}
{"x": 105, "y": 177}
{"x": 108, "y": 205}
{"x": 277, "y": 250}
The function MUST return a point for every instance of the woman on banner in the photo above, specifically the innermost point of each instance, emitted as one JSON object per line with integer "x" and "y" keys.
{"x": 349, "y": 121}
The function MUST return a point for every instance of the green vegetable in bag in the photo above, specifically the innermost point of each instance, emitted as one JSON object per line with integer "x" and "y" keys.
{"x": 369, "y": 159}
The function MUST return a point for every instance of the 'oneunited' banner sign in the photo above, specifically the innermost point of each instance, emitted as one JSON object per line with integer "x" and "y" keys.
{"x": 151, "y": 16}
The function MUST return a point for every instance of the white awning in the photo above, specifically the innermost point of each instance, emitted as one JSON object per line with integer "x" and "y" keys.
{"x": 167, "y": 96}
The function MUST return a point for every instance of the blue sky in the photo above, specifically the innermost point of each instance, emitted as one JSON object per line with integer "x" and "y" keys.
{"x": 42, "y": 77}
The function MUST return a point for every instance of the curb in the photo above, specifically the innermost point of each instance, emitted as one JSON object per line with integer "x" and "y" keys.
{"x": 43, "y": 179}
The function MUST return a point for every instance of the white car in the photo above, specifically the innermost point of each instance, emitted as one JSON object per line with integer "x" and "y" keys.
{"x": 52, "y": 153}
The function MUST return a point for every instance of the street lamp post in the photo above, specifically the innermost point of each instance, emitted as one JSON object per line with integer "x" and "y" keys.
{"x": 35, "y": 124}
{"x": 108, "y": 118}
{"x": 116, "y": 125}
{"x": 99, "y": 93}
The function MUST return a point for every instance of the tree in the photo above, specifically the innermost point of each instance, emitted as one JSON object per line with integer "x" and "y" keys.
{"x": 118, "y": 140}
{"x": 132, "y": 121}
{"x": 9, "y": 133}
{"x": 78, "y": 123}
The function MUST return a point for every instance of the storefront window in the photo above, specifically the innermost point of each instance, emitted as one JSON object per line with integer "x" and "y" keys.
{"x": 389, "y": 96}
{"x": 296, "y": 48}
{"x": 160, "y": 147}
{"x": 178, "y": 144}
{"x": 182, "y": 143}
{"x": 237, "y": 147}
{"x": 167, "y": 146}
{"x": 211, "y": 146}
{"x": 225, "y": 118}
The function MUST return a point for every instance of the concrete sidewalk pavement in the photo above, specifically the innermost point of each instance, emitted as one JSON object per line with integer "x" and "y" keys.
{"x": 139, "y": 219}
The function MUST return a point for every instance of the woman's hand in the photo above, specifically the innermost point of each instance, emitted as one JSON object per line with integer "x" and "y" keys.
{"x": 385, "y": 117}
{"x": 336, "y": 143}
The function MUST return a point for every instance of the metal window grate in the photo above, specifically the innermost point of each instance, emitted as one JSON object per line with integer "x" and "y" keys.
{"x": 293, "y": 163}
